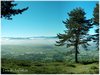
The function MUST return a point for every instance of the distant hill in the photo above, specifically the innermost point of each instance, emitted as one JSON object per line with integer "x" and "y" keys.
{"x": 20, "y": 38}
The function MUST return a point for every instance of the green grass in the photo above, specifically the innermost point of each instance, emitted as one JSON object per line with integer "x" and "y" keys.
{"x": 33, "y": 67}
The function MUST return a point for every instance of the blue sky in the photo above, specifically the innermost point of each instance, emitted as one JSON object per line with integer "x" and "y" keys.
{"x": 43, "y": 18}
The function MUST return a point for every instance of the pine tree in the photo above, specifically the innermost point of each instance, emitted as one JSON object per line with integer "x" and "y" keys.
{"x": 96, "y": 23}
{"x": 8, "y": 9}
{"x": 77, "y": 31}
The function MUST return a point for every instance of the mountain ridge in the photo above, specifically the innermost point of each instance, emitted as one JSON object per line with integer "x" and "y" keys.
{"x": 29, "y": 37}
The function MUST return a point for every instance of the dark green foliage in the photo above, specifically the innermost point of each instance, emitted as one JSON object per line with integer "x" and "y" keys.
{"x": 88, "y": 62}
{"x": 96, "y": 14}
{"x": 77, "y": 31}
{"x": 96, "y": 23}
{"x": 94, "y": 67}
{"x": 24, "y": 64}
{"x": 71, "y": 65}
{"x": 8, "y": 9}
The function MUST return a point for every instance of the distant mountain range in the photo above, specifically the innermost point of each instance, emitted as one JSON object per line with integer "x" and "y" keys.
{"x": 48, "y": 37}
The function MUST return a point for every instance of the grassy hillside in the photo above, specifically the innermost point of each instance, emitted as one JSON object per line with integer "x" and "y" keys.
{"x": 32, "y": 67}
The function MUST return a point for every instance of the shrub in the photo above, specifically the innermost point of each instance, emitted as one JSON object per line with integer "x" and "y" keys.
{"x": 71, "y": 65}
{"x": 94, "y": 67}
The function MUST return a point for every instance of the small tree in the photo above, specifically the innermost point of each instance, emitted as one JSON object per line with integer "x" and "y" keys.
{"x": 77, "y": 31}
{"x": 8, "y": 10}
{"x": 96, "y": 23}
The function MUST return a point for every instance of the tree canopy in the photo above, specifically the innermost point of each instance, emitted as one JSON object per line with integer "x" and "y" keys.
{"x": 8, "y": 9}
{"x": 96, "y": 14}
{"x": 96, "y": 23}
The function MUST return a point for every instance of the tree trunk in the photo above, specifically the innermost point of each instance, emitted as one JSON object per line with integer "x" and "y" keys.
{"x": 76, "y": 54}
{"x": 76, "y": 49}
